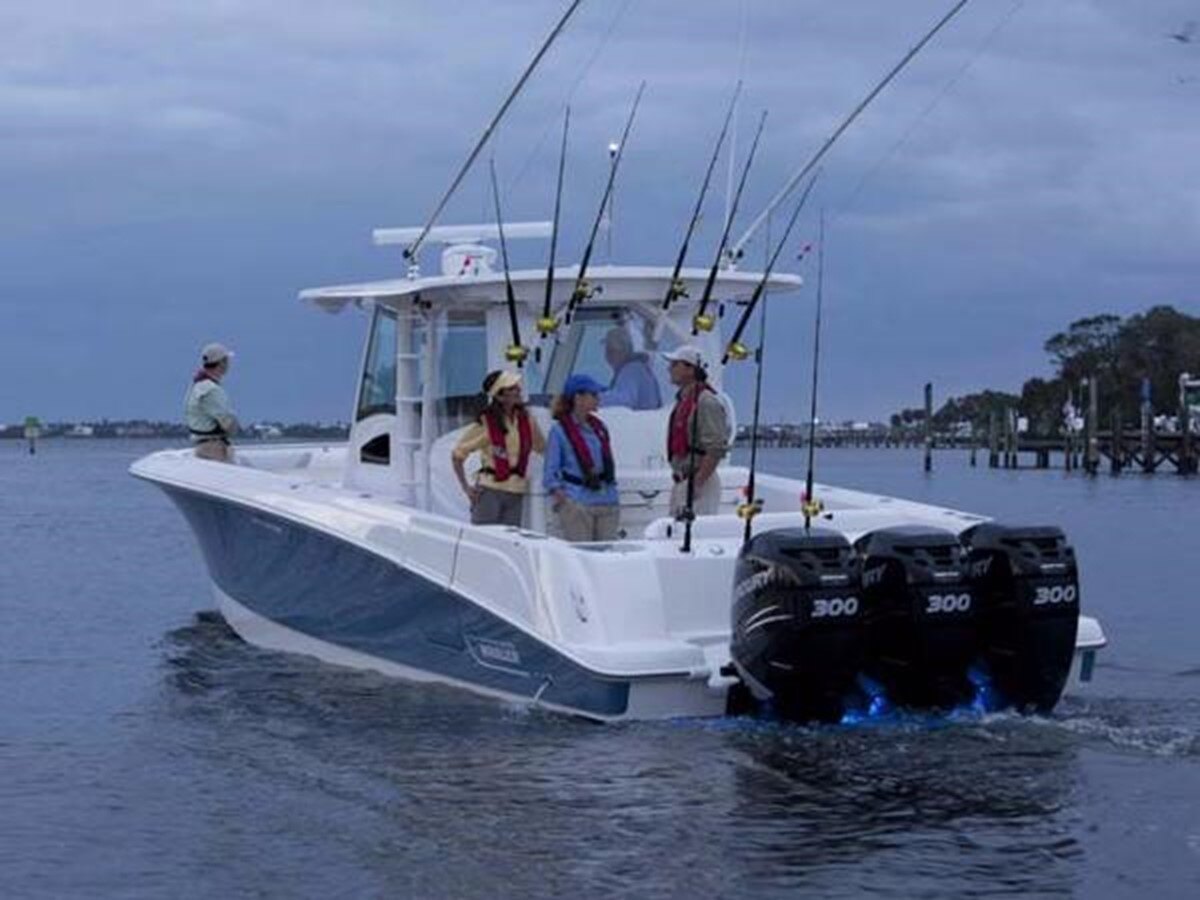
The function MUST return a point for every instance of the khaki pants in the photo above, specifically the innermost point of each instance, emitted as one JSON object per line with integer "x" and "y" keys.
{"x": 577, "y": 522}
{"x": 497, "y": 508}
{"x": 216, "y": 451}
{"x": 705, "y": 502}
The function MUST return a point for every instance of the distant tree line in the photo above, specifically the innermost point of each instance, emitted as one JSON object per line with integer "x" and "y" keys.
{"x": 1119, "y": 353}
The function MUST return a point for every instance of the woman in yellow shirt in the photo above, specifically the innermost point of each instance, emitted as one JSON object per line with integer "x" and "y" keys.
{"x": 505, "y": 436}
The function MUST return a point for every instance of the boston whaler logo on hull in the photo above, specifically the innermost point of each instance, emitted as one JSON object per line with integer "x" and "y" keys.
{"x": 495, "y": 654}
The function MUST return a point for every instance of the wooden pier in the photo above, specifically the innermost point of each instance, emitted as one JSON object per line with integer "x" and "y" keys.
{"x": 1120, "y": 448}
{"x": 1082, "y": 445}
{"x": 1117, "y": 450}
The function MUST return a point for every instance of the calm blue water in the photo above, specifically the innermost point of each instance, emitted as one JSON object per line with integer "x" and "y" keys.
{"x": 147, "y": 752}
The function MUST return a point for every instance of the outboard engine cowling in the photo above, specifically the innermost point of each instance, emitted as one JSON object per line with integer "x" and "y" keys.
{"x": 1027, "y": 583}
{"x": 921, "y": 614}
{"x": 798, "y": 636}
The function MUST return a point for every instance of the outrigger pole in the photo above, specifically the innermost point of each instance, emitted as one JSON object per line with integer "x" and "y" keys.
{"x": 675, "y": 287}
{"x": 702, "y": 321}
{"x": 583, "y": 290}
{"x": 810, "y": 505}
{"x": 515, "y": 353}
{"x": 735, "y": 349}
{"x": 411, "y": 252}
{"x": 547, "y": 324}
{"x": 787, "y": 189}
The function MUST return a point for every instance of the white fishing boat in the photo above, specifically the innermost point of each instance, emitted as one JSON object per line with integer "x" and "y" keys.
{"x": 363, "y": 554}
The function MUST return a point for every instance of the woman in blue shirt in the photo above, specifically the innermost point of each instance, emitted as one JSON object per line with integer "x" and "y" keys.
{"x": 579, "y": 472}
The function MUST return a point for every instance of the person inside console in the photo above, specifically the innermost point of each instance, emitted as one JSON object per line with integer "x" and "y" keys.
{"x": 579, "y": 472}
{"x": 633, "y": 382}
{"x": 505, "y": 435}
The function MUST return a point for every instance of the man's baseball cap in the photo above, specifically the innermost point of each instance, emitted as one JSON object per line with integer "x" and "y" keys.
{"x": 686, "y": 354}
{"x": 215, "y": 353}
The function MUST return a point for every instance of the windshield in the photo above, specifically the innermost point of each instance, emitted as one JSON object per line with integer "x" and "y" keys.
{"x": 616, "y": 347}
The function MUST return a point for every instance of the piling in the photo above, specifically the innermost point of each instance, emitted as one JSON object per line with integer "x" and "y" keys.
{"x": 33, "y": 430}
{"x": 1014, "y": 438}
{"x": 1116, "y": 455}
{"x": 1149, "y": 462}
{"x": 929, "y": 426}
{"x": 993, "y": 441}
{"x": 1091, "y": 447}
{"x": 1187, "y": 445}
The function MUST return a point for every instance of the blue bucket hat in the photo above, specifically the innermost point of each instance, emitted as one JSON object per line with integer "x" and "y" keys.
{"x": 582, "y": 384}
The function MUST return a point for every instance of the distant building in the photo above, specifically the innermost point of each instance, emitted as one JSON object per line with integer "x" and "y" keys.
{"x": 266, "y": 431}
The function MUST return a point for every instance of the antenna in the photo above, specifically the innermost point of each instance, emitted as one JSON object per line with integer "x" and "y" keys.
{"x": 411, "y": 252}
{"x": 703, "y": 321}
{"x": 675, "y": 288}
{"x": 515, "y": 353}
{"x": 582, "y": 289}
{"x": 846, "y": 123}
{"x": 735, "y": 349}
{"x": 547, "y": 324}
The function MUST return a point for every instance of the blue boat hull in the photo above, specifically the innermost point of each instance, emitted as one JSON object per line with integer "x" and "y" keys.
{"x": 333, "y": 591}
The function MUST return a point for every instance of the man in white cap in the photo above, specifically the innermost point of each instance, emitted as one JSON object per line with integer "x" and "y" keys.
{"x": 210, "y": 419}
{"x": 504, "y": 435}
{"x": 697, "y": 435}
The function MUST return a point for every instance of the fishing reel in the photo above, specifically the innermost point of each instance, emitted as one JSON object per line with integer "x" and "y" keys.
{"x": 751, "y": 508}
{"x": 703, "y": 322}
{"x": 517, "y": 354}
{"x": 584, "y": 290}
{"x": 811, "y": 506}
{"x": 737, "y": 351}
{"x": 677, "y": 291}
{"x": 547, "y": 325}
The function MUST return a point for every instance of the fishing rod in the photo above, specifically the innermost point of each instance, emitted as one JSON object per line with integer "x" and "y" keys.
{"x": 411, "y": 252}
{"x": 702, "y": 321}
{"x": 846, "y": 123}
{"x": 735, "y": 349}
{"x": 753, "y": 505}
{"x": 547, "y": 324}
{"x": 515, "y": 353}
{"x": 675, "y": 288}
{"x": 583, "y": 290}
{"x": 810, "y": 505}
{"x": 689, "y": 507}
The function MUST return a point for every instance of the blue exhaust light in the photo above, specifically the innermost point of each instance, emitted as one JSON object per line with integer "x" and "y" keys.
{"x": 986, "y": 699}
{"x": 877, "y": 703}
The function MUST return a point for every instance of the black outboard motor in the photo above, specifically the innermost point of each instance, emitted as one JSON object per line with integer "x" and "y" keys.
{"x": 798, "y": 636}
{"x": 1027, "y": 584}
{"x": 921, "y": 612}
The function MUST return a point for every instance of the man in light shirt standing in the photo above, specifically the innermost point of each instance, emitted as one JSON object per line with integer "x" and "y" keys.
{"x": 210, "y": 419}
{"x": 697, "y": 435}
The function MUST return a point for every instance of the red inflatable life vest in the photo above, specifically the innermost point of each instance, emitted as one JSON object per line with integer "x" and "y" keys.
{"x": 679, "y": 438}
{"x": 502, "y": 468}
{"x": 592, "y": 479}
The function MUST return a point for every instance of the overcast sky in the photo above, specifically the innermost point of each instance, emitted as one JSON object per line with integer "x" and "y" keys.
{"x": 174, "y": 171}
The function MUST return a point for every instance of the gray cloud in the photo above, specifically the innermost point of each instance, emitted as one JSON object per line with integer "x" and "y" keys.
{"x": 177, "y": 170}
